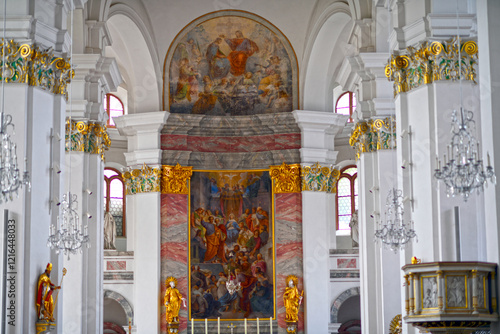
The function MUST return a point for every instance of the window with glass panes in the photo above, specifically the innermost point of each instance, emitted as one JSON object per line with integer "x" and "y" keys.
{"x": 347, "y": 196}
{"x": 114, "y": 108}
{"x": 114, "y": 198}
{"x": 346, "y": 103}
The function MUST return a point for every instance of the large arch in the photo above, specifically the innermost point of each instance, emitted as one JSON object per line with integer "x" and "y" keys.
{"x": 135, "y": 52}
{"x": 334, "y": 311}
{"x": 120, "y": 299}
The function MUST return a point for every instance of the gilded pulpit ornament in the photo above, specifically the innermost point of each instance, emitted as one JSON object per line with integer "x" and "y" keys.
{"x": 87, "y": 136}
{"x": 29, "y": 64}
{"x": 373, "y": 135}
{"x": 145, "y": 180}
{"x": 431, "y": 61}
{"x": 396, "y": 326}
{"x": 292, "y": 299}
{"x": 45, "y": 303}
{"x": 174, "y": 179}
{"x": 286, "y": 178}
{"x": 318, "y": 178}
{"x": 172, "y": 301}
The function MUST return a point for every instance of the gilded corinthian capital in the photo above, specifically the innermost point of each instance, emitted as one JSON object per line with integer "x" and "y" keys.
{"x": 174, "y": 179}
{"x": 286, "y": 178}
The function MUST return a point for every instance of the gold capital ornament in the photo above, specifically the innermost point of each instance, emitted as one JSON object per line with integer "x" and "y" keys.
{"x": 144, "y": 180}
{"x": 319, "y": 178}
{"x": 286, "y": 178}
{"x": 373, "y": 135}
{"x": 174, "y": 179}
{"x": 87, "y": 136}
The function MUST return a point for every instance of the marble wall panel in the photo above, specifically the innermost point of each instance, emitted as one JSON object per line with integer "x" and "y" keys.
{"x": 174, "y": 252}
{"x": 116, "y": 265}
{"x": 289, "y": 258}
{"x": 346, "y": 263}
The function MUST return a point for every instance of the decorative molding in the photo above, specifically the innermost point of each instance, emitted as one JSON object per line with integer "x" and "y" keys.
{"x": 174, "y": 179}
{"x": 87, "y": 136}
{"x": 318, "y": 178}
{"x": 430, "y": 62}
{"x": 373, "y": 135}
{"x": 144, "y": 180}
{"x": 37, "y": 67}
{"x": 286, "y": 178}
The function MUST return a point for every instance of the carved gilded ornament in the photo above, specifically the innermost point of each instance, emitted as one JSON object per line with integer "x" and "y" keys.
{"x": 431, "y": 61}
{"x": 87, "y": 136}
{"x": 174, "y": 179}
{"x": 37, "y": 67}
{"x": 144, "y": 180}
{"x": 373, "y": 135}
{"x": 286, "y": 178}
{"x": 396, "y": 326}
{"x": 318, "y": 178}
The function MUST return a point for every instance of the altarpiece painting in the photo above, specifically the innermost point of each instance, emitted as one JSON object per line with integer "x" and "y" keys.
{"x": 231, "y": 245}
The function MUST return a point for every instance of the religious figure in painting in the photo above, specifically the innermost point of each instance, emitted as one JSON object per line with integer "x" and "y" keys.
{"x": 172, "y": 300}
{"x": 218, "y": 63}
{"x": 215, "y": 237}
{"x": 241, "y": 49}
{"x": 187, "y": 85}
{"x": 292, "y": 299}
{"x": 44, "y": 301}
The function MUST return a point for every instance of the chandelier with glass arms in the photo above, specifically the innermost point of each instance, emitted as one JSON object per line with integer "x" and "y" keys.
{"x": 463, "y": 171}
{"x": 394, "y": 232}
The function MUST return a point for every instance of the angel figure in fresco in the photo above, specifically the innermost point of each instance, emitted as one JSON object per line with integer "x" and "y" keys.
{"x": 172, "y": 300}
{"x": 292, "y": 299}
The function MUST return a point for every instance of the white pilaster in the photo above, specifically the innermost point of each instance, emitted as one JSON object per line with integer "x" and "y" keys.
{"x": 318, "y": 130}
{"x": 144, "y": 217}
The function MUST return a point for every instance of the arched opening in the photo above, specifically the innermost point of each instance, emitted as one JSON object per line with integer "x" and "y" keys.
{"x": 117, "y": 312}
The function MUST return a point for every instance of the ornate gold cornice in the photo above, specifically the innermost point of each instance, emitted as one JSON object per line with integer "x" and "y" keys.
{"x": 429, "y": 62}
{"x": 36, "y": 67}
{"x": 174, "y": 179}
{"x": 87, "y": 136}
{"x": 373, "y": 135}
{"x": 286, "y": 178}
{"x": 144, "y": 180}
{"x": 318, "y": 178}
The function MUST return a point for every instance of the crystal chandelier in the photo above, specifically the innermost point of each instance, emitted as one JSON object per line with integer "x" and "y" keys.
{"x": 69, "y": 237}
{"x": 463, "y": 169}
{"x": 394, "y": 232}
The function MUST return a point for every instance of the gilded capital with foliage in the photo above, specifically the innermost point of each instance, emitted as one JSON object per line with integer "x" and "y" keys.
{"x": 286, "y": 178}
{"x": 87, "y": 136}
{"x": 373, "y": 135}
{"x": 174, "y": 179}
{"x": 319, "y": 178}
{"x": 432, "y": 61}
{"x": 144, "y": 180}
{"x": 37, "y": 67}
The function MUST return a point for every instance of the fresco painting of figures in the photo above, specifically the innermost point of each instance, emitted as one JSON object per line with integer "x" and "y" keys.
{"x": 231, "y": 245}
{"x": 230, "y": 65}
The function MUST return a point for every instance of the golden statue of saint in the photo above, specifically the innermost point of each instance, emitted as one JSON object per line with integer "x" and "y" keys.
{"x": 44, "y": 301}
{"x": 173, "y": 300}
{"x": 292, "y": 298}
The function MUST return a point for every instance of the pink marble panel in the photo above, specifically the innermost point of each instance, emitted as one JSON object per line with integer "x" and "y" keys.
{"x": 289, "y": 251}
{"x": 230, "y": 143}
{"x": 289, "y": 207}
{"x": 174, "y": 251}
{"x": 116, "y": 265}
{"x": 346, "y": 263}
{"x": 173, "y": 209}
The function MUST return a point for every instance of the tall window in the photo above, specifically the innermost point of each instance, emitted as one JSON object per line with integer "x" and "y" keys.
{"x": 346, "y": 104}
{"x": 114, "y": 108}
{"x": 114, "y": 198}
{"x": 347, "y": 196}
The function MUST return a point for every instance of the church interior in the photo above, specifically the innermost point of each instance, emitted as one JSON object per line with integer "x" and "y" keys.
{"x": 230, "y": 166}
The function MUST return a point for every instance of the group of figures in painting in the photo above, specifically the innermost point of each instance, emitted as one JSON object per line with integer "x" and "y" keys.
{"x": 231, "y": 246}
{"x": 218, "y": 73}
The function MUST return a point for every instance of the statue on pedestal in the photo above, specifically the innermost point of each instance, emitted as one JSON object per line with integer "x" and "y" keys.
{"x": 172, "y": 300}
{"x": 292, "y": 299}
{"x": 44, "y": 303}
{"x": 353, "y": 224}
{"x": 109, "y": 231}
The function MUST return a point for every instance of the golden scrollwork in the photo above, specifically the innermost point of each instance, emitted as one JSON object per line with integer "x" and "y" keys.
{"x": 432, "y": 61}
{"x": 396, "y": 326}
{"x": 144, "y": 180}
{"x": 174, "y": 179}
{"x": 373, "y": 135}
{"x": 87, "y": 136}
{"x": 36, "y": 67}
{"x": 286, "y": 178}
{"x": 318, "y": 178}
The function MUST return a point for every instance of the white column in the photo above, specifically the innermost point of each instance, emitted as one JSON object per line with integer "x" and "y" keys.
{"x": 318, "y": 130}
{"x": 144, "y": 218}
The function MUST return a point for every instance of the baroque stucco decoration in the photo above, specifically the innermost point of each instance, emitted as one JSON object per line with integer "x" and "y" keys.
{"x": 430, "y": 62}
{"x": 142, "y": 180}
{"x": 286, "y": 178}
{"x": 373, "y": 135}
{"x": 174, "y": 179}
{"x": 29, "y": 64}
{"x": 87, "y": 136}
{"x": 319, "y": 178}
{"x": 230, "y": 62}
